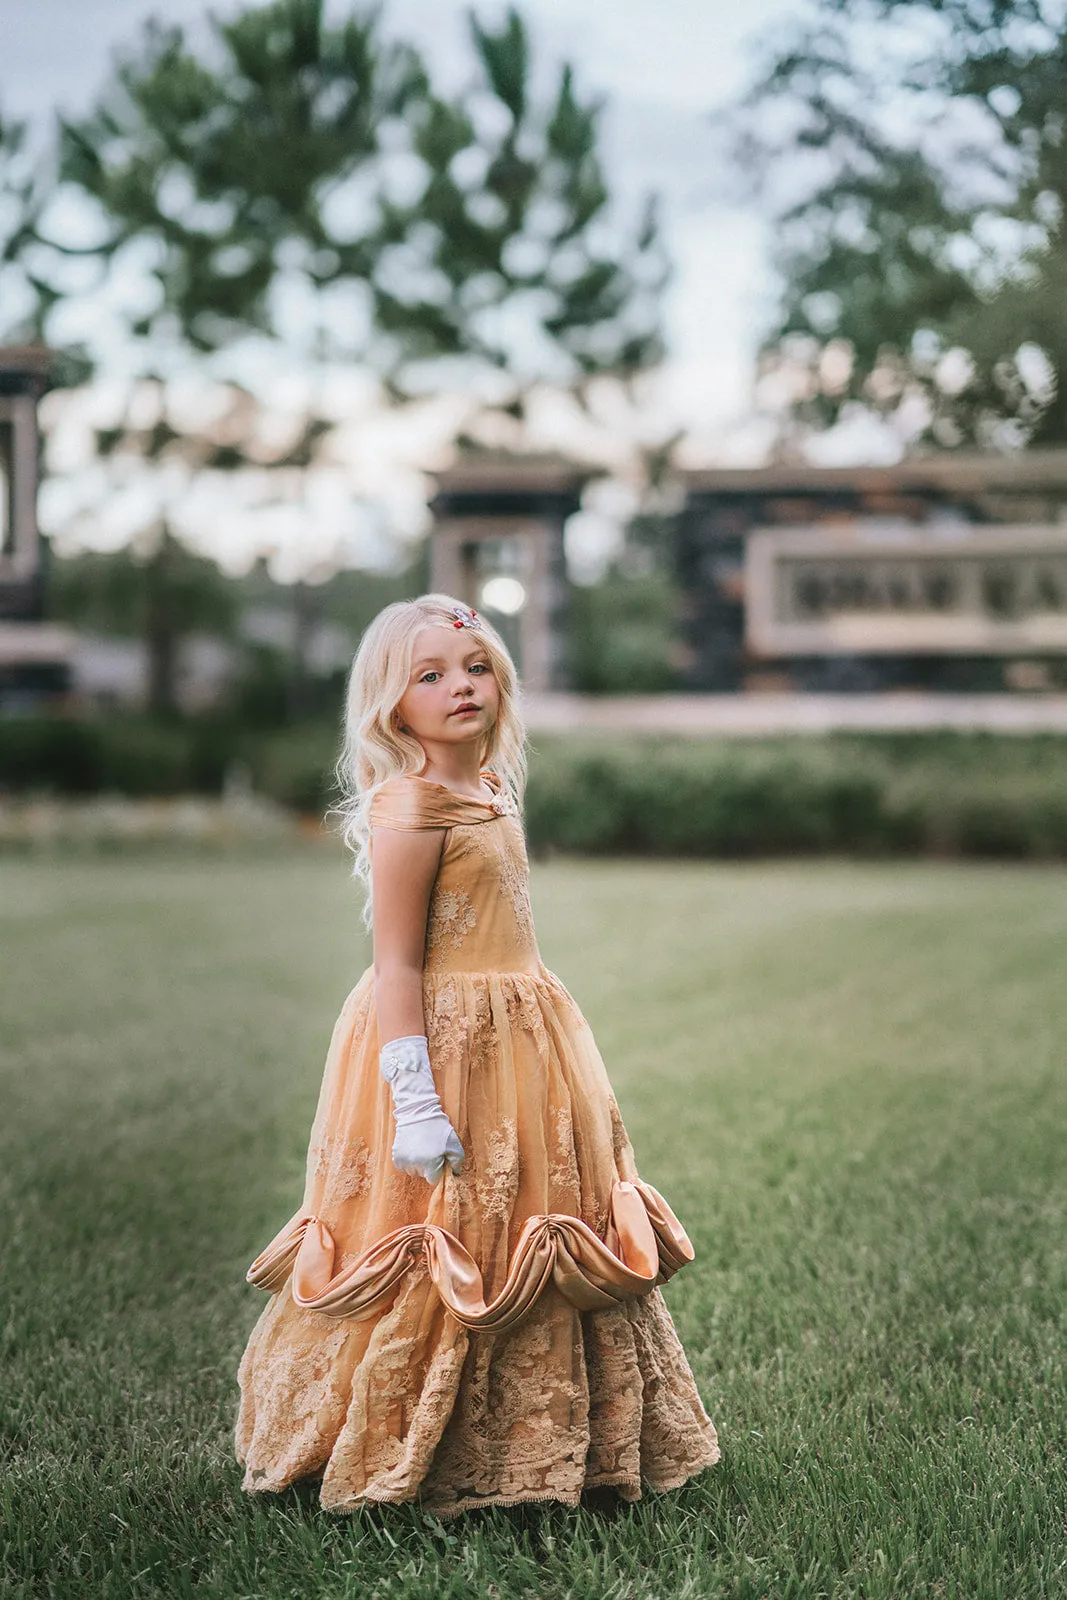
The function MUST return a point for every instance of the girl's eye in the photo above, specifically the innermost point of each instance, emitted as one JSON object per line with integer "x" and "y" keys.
{"x": 479, "y": 666}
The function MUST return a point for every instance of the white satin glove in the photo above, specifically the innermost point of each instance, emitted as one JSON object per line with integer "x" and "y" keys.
{"x": 425, "y": 1138}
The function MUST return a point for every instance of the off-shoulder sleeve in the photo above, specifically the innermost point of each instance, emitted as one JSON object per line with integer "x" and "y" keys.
{"x": 414, "y": 804}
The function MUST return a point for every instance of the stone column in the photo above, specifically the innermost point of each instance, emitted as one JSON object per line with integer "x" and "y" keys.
{"x": 524, "y": 500}
{"x": 34, "y": 655}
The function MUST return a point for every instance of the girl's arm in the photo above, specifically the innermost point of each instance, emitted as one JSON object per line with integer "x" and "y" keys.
{"x": 403, "y": 868}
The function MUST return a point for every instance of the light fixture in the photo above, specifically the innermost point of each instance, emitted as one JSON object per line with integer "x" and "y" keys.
{"x": 506, "y": 595}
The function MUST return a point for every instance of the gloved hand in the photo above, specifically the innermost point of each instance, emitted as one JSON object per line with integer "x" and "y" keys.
{"x": 425, "y": 1138}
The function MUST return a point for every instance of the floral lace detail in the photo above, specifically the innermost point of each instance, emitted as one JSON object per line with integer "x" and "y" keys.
{"x": 519, "y": 1426}
{"x": 622, "y": 1149}
{"x": 596, "y": 1214}
{"x": 504, "y": 847}
{"x": 497, "y": 1180}
{"x": 348, "y": 1165}
{"x": 524, "y": 1011}
{"x": 563, "y": 1175}
{"x": 564, "y": 1402}
{"x": 446, "y": 1026}
{"x": 678, "y": 1437}
{"x": 646, "y": 1416}
{"x": 294, "y": 1399}
{"x": 515, "y": 880}
{"x": 452, "y": 916}
{"x": 353, "y": 1174}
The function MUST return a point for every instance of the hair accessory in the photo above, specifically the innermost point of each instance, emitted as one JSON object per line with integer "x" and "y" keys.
{"x": 465, "y": 617}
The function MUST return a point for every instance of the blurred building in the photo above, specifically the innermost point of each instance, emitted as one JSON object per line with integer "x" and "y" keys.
{"x": 944, "y": 573}
{"x": 498, "y": 543}
{"x": 34, "y": 655}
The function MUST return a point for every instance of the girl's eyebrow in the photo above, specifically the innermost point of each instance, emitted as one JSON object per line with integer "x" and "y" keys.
{"x": 437, "y": 661}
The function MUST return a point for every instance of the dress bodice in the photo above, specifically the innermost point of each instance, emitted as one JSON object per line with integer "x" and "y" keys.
{"x": 479, "y": 917}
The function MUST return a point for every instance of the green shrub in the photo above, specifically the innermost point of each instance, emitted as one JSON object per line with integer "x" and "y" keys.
{"x": 56, "y": 753}
{"x": 950, "y": 794}
{"x": 946, "y": 794}
{"x": 296, "y": 767}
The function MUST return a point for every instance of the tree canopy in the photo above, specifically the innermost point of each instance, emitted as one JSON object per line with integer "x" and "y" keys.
{"x": 296, "y": 178}
{"x": 299, "y": 177}
{"x": 915, "y": 156}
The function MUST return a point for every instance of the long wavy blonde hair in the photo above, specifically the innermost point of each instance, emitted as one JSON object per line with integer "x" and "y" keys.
{"x": 375, "y": 749}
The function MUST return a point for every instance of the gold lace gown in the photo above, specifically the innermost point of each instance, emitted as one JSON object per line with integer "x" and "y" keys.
{"x": 501, "y": 1337}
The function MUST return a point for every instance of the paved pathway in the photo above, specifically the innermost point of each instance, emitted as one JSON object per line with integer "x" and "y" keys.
{"x": 750, "y": 715}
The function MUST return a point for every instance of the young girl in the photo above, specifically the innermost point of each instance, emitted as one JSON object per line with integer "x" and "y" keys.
{"x": 465, "y": 1310}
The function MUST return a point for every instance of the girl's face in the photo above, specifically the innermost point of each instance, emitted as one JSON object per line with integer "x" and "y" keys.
{"x": 452, "y": 696}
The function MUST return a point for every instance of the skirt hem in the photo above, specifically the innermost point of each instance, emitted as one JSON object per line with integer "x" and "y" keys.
{"x": 629, "y": 1491}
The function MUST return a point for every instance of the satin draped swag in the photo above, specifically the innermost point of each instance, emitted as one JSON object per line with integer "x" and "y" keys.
{"x": 644, "y": 1245}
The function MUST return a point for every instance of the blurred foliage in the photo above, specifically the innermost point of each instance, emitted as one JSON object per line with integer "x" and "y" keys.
{"x": 165, "y": 596}
{"x": 944, "y": 794}
{"x": 937, "y": 794}
{"x": 621, "y": 630}
{"x": 30, "y": 288}
{"x": 620, "y": 635}
{"x": 112, "y": 592}
{"x": 291, "y": 150}
{"x": 25, "y": 300}
{"x": 287, "y": 152}
{"x": 914, "y": 152}
{"x": 161, "y": 593}
{"x": 276, "y": 684}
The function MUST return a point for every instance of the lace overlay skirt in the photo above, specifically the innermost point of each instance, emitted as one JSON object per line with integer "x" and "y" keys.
{"x": 409, "y": 1404}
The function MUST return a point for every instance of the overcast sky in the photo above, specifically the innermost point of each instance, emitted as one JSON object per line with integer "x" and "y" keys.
{"x": 663, "y": 67}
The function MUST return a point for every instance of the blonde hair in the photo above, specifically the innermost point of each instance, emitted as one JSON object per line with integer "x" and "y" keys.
{"x": 374, "y": 748}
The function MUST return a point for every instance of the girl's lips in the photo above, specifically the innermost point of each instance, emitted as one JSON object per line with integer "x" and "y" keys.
{"x": 462, "y": 711}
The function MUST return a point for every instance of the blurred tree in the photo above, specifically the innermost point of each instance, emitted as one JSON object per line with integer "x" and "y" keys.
{"x": 30, "y": 285}
{"x": 159, "y": 592}
{"x": 509, "y": 258}
{"x": 237, "y": 161}
{"x": 276, "y": 683}
{"x": 621, "y": 635}
{"x": 23, "y": 302}
{"x": 297, "y": 178}
{"x": 291, "y": 159}
{"x": 157, "y": 588}
{"x": 622, "y": 628}
{"x": 915, "y": 156}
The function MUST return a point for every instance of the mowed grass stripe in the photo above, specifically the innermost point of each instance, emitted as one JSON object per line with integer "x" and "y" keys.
{"x": 848, "y": 1080}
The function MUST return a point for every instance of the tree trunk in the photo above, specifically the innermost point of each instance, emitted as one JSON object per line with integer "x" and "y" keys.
{"x": 306, "y": 602}
{"x": 161, "y": 632}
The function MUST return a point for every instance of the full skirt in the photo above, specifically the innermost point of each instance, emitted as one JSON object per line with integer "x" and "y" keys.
{"x": 405, "y": 1402}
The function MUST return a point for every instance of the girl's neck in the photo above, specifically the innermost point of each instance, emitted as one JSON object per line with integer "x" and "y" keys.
{"x": 458, "y": 769}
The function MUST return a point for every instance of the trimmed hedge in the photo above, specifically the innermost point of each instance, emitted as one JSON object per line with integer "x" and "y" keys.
{"x": 935, "y": 794}
{"x": 140, "y": 756}
{"x": 114, "y": 755}
{"x": 865, "y": 794}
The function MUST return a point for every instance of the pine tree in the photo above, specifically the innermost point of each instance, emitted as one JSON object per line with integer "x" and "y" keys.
{"x": 435, "y": 239}
{"x": 295, "y": 151}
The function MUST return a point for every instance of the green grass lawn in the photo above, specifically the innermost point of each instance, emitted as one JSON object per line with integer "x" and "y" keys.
{"x": 848, "y": 1081}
